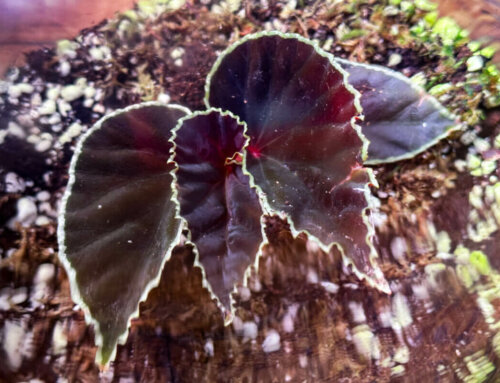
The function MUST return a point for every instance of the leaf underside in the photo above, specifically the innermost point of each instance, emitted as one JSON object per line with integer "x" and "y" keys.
{"x": 304, "y": 154}
{"x": 119, "y": 221}
{"x": 221, "y": 209}
{"x": 401, "y": 119}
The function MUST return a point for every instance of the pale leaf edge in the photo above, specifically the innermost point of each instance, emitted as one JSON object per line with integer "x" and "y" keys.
{"x": 228, "y": 316}
{"x": 455, "y": 123}
{"x": 70, "y": 271}
{"x": 380, "y": 284}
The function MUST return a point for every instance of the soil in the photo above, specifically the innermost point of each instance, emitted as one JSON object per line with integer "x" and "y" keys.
{"x": 341, "y": 330}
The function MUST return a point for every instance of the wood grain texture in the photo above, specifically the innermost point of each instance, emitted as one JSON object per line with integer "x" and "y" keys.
{"x": 480, "y": 17}
{"x": 31, "y": 24}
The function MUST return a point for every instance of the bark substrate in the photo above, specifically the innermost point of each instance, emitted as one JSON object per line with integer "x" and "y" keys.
{"x": 180, "y": 336}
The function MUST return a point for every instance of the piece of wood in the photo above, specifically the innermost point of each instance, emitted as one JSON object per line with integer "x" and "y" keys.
{"x": 31, "y": 24}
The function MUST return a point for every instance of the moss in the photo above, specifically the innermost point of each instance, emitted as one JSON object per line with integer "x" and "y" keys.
{"x": 480, "y": 261}
{"x": 425, "y": 5}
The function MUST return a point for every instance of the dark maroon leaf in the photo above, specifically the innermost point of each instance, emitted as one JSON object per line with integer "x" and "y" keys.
{"x": 222, "y": 211}
{"x": 303, "y": 147}
{"x": 400, "y": 118}
{"x": 118, "y": 222}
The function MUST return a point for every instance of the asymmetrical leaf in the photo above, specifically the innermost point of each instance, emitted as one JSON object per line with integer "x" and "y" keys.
{"x": 304, "y": 152}
{"x": 400, "y": 118}
{"x": 118, "y": 222}
{"x": 221, "y": 209}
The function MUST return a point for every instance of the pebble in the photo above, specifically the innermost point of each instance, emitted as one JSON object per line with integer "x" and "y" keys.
{"x": 245, "y": 293}
{"x": 67, "y": 48}
{"x": 52, "y": 93}
{"x": 303, "y": 360}
{"x": 255, "y": 285}
{"x": 401, "y": 310}
{"x": 16, "y": 90}
{"x": 481, "y": 145}
{"x": 249, "y": 330}
{"x": 43, "y": 196}
{"x": 26, "y": 212}
{"x": 33, "y": 139}
{"x": 365, "y": 342}
{"x": 89, "y": 92}
{"x": 54, "y": 119}
{"x": 42, "y": 220}
{"x": 238, "y": 325}
{"x": 288, "y": 320}
{"x": 272, "y": 342}
{"x": 13, "y": 339}
{"x": 394, "y": 59}
{"x": 382, "y": 194}
{"x": 399, "y": 248}
{"x": 45, "y": 273}
{"x": 100, "y": 53}
{"x": 15, "y": 130}
{"x": 59, "y": 339}
{"x": 4, "y": 299}
{"x": 43, "y": 146}
{"x": 357, "y": 311}
{"x": 88, "y": 103}
{"x": 26, "y": 121}
{"x": 64, "y": 68}
{"x": 45, "y": 207}
{"x": 98, "y": 108}
{"x": 41, "y": 291}
{"x": 73, "y": 131}
{"x": 330, "y": 287}
{"x": 474, "y": 63}
{"x": 56, "y": 128}
{"x": 164, "y": 98}
{"x": 312, "y": 276}
{"x": 63, "y": 107}
{"x": 26, "y": 88}
{"x": 36, "y": 99}
{"x": 49, "y": 107}
{"x": 287, "y": 323}
{"x": 209, "y": 347}
{"x": 177, "y": 53}
{"x": 96, "y": 54}
{"x": 71, "y": 92}
{"x": 14, "y": 183}
{"x": 19, "y": 295}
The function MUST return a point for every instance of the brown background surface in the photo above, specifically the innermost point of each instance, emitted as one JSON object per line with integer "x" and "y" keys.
{"x": 30, "y": 24}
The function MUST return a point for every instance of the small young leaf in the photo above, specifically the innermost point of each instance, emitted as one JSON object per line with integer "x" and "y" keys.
{"x": 221, "y": 209}
{"x": 304, "y": 151}
{"x": 400, "y": 118}
{"x": 118, "y": 223}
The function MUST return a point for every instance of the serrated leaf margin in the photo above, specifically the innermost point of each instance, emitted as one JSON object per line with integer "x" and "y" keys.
{"x": 457, "y": 126}
{"x": 228, "y": 316}
{"x": 267, "y": 209}
{"x": 61, "y": 236}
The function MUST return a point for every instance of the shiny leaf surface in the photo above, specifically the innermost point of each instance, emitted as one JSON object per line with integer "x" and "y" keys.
{"x": 118, "y": 223}
{"x": 221, "y": 209}
{"x": 303, "y": 148}
{"x": 401, "y": 119}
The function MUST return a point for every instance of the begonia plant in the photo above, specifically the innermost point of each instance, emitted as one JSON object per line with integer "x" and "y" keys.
{"x": 280, "y": 137}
